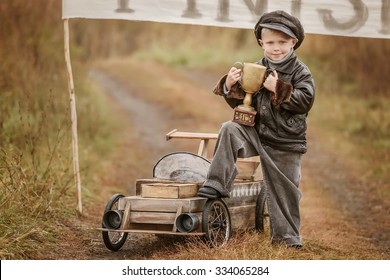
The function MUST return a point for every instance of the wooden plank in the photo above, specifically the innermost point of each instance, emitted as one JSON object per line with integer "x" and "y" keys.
{"x": 204, "y": 137}
{"x": 247, "y": 168}
{"x": 202, "y": 150}
{"x": 73, "y": 115}
{"x": 168, "y": 135}
{"x": 189, "y": 205}
{"x": 151, "y": 227}
{"x": 178, "y": 212}
{"x": 169, "y": 190}
{"x": 191, "y": 135}
{"x": 158, "y": 221}
{"x": 140, "y": 182}
{"x": 160, "y": 218}
{"x": 152, "y": 217}
{"x": 126, "y": 215}
{"x": 243, "y": 217}
{"x": 152, "y": 231}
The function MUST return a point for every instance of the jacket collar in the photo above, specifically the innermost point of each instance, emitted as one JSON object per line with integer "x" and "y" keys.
{"x": 285, "y": 67}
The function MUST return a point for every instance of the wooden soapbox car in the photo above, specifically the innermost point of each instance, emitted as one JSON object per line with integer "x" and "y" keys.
{"x": 168, "y": 202}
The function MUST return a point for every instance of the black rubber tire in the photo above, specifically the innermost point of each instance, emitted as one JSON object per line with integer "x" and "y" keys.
{"x": 113, "y": 240}
{"x": 216, "y": 223}
{"x": 261, "y": 215}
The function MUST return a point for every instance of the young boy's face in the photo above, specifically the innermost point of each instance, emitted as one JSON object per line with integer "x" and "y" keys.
{"x": 276, "y": 44}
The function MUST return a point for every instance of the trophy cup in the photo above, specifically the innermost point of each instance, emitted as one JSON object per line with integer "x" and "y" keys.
{"x": 252, "y": 77}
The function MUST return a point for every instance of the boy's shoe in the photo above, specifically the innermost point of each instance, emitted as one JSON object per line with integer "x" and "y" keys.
{"x": 208, "y": 192}
{"x": 295, "y": 246}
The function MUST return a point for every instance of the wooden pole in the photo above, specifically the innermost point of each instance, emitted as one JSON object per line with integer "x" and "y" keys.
{"x": 76, "y": 169}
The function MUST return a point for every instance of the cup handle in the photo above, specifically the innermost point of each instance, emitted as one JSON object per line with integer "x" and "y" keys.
{"x": 239, "y": 65}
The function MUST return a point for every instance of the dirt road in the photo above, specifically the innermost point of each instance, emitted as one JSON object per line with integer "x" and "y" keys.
{"x": 338, "y": 211}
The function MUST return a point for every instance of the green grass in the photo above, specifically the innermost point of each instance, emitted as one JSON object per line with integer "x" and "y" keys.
{"x": 195, "y": 57}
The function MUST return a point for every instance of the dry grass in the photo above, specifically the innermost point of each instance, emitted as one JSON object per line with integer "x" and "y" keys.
{"x": 36, "y": 174}
{"x": 36, "y": 184}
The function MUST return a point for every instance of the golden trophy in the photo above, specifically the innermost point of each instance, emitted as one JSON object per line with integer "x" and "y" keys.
{"x": 252, "y": 78}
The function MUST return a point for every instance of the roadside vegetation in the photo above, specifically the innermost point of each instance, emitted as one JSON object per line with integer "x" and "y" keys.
{"x": 37, "y": 193}
{"x": 37, "y": 196}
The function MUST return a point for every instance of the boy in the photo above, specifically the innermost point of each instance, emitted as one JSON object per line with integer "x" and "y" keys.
{"x": 279, "y": 133}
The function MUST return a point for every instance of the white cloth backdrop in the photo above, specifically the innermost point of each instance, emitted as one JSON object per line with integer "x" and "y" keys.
{"x": 369, "y": 18}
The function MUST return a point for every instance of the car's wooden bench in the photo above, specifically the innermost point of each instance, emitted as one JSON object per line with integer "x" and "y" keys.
{"x": 246, "y": 166}
{"x": 203, "y": 137}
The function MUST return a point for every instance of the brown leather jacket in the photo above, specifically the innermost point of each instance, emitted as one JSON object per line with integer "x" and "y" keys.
{"x": 281, "y": 117}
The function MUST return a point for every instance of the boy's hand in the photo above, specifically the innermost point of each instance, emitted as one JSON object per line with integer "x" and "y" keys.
{"x": 270, "y": 82}
{"x": 233, "y": 76}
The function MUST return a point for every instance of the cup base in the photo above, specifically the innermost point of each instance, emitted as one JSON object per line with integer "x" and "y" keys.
{"x": 245, "y": 108}
{"x": 244, "y": 115}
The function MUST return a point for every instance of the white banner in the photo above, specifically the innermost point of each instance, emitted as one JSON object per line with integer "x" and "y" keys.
{"x": 358, "y": 18}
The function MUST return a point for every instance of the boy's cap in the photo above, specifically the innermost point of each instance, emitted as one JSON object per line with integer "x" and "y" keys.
{"x": 281, "y": 21}
{"x": 279, "y": 27}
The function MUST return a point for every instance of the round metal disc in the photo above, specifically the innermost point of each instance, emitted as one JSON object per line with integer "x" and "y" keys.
{"x": 182, "y": 166}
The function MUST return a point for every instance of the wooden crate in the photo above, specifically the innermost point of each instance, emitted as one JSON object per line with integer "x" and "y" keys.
{"x": 140, "y": 182}
{"x": 140, "y": 204}
{"x": 249, "y": 169}
{"x": 243, "y": 217}
{"x": 158, "y": 213}
{"x": 168, "y": 190}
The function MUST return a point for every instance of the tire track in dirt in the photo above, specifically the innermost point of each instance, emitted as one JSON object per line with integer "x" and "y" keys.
{"x": 148, "y": 121}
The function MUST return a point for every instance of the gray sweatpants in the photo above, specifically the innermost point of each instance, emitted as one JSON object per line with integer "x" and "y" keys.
{"x": 281, "y": 172}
